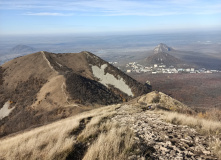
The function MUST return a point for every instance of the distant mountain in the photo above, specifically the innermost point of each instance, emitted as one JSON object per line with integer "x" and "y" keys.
{"x": 162, "y": 48}
{"x": 43, "y": 87}
{"x": 23, "y": 49}
{"x": 17, "y": 51}
{"x": 161, "y": 56}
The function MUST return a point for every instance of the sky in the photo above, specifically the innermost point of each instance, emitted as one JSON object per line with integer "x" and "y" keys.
{"x": 107, "y": 16}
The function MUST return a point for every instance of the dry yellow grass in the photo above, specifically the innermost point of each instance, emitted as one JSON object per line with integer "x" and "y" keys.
{"x": 56, "y": 140}
{"x": 211, "y": 114}
{"x": 44, "y": 142}
{"x": 203, "y": 125}
{"x": 216, "y": 146}
{"x": 114, "y": 145}
{"x": 96, "y": 125}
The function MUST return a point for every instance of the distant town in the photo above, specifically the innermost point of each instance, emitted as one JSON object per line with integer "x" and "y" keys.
{"x": 161, "y": 68}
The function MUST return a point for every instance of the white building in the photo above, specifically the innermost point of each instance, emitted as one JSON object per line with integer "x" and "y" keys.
{"x": 188, "y": 70}
{"x": 162, "y": 66}
{"x": 180, "y": 69}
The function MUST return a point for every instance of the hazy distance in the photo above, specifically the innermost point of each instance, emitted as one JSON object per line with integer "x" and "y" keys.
{"x": 110, "y": 47}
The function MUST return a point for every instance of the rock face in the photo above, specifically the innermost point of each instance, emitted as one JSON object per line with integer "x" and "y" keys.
{"x": 44, "y": 87}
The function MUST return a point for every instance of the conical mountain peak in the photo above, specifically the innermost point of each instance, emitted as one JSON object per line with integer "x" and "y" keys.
{"x": 162, "y": 48}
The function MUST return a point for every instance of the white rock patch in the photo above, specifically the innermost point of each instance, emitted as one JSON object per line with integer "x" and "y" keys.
{"x": 109, "y": 79}
{"x": 4, "y": 111}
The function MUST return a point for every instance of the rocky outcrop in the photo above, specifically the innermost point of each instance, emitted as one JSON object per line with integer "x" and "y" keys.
{"x": 156, "y": 139}
{"x": 162, "y": 48}
{"x": 160, "y": 100}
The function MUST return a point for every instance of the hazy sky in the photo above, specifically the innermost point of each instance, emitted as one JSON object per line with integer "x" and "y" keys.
{"x": 107, "y": 16}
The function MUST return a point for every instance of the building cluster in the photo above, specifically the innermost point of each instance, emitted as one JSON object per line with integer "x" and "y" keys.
{"x": 161, "y": 68}
{"x": 113, "y": 63}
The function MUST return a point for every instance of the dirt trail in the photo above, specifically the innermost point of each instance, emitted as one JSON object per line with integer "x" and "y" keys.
{"x": 157, "y": 139}
{"x": 45, "y": 58}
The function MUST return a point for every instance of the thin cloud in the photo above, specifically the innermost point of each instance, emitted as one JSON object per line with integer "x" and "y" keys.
{"x": 115, "y": 7}
{"x": 46, "y": 14}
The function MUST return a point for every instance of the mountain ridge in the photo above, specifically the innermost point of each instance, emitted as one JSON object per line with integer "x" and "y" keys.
{"x": 44, "y": 87}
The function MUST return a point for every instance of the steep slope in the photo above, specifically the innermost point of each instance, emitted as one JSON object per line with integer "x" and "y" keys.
{"x": 43, "y": 87}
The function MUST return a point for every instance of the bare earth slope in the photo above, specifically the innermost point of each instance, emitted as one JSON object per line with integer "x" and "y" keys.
{"x": 43, "y": 87}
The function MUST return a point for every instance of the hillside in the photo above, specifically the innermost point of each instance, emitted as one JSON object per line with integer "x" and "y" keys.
{"x": 43, "y": 87}
{"x": 126, "y": 131}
